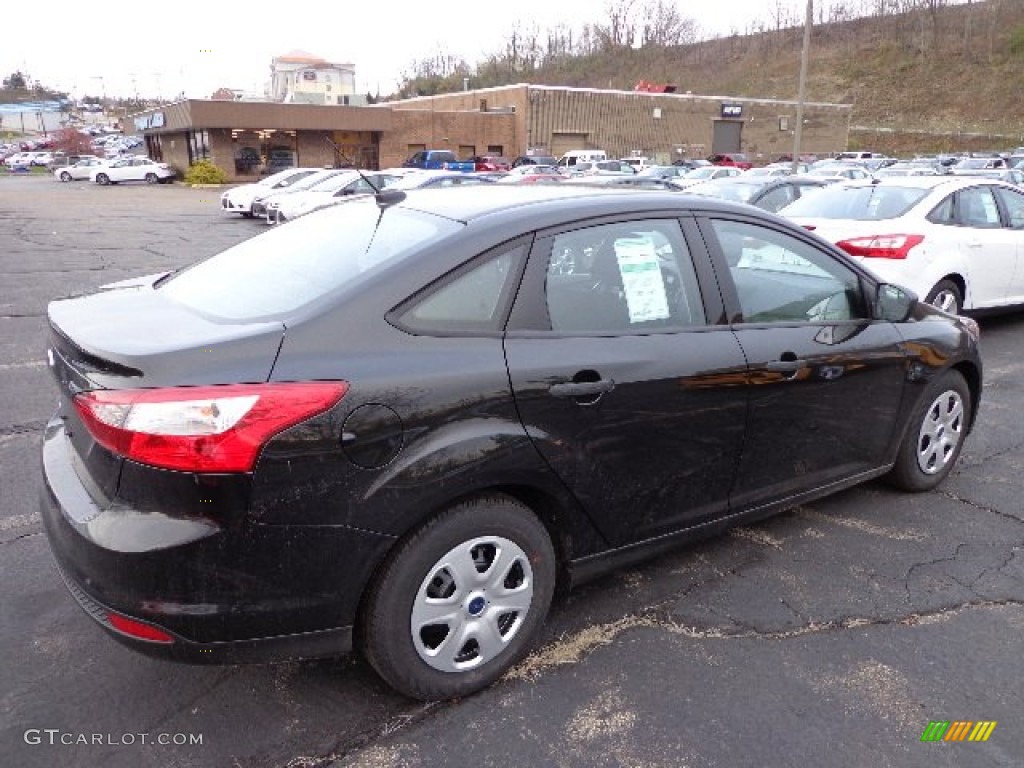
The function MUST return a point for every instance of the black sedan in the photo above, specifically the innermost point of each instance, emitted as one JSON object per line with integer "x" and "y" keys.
{"x": 399, "y": 422}
{"x": 771, "y": 193}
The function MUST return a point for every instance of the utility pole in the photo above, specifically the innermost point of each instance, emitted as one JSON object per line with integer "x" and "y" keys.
{"x": 802, "y": 94}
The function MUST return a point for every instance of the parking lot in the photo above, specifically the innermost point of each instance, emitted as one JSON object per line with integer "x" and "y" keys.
{"x": 831, "y": 635}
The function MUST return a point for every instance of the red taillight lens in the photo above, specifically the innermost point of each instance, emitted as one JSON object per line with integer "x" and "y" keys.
{"x": 202, "y": 429}
{"x": 881, "y": 246}
{"x": 138, "y": 629}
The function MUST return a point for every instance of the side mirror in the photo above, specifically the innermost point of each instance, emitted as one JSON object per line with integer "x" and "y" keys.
{"x": 894, "y": 303}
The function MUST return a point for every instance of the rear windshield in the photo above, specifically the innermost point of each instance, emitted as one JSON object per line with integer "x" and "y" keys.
{"x": 863, "y": 203}
{"x": 292, "y": 266}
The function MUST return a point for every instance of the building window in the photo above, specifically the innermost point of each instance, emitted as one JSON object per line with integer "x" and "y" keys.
{"x": 198, "y": 145}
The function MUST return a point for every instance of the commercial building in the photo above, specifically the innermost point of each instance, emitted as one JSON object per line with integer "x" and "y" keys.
{"x": 245, "y": 138}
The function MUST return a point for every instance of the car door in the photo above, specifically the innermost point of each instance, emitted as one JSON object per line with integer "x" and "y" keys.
{"x": 1012, "y": 203}
{"x": 989, "y": 249}
{"x": 825, "y": 380}
{"x": 622, "y": 374}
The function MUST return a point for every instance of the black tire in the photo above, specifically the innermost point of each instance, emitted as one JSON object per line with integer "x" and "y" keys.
{"x": 102, "y": 178}
{"x": 65, "y": 176}
{"x": 946, "y": 296}
{"x": 935, "y": 434}
{"x": 151, "y": 178}
{"x": 422, "y": 575}
{"x": 246, "y": 214}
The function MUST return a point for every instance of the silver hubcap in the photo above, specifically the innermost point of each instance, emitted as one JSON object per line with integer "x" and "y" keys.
{"x": 472, "y": 603}
{"x": 940, "y": 432}
{"x": 946, "y": 301}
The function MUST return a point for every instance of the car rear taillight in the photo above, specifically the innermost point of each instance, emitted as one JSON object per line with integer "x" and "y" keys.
{"x": 202, "y": 429}
{"x": 881, "y": 246}
{"x": 138, "y": 629}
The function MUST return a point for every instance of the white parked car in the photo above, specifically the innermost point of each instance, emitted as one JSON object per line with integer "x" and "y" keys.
{"x": 78, "y": 171}
{"x": 131, "y": 168}
{"x": 329, "y": 192}
{"x": 705, "y": 173}
{"x": 240, "y": 199}
{"x": 956, "y": 241}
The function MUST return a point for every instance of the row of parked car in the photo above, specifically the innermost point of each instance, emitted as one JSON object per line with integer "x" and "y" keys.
{"x": 922, "y": 230}
{"x": 28, "y": 154}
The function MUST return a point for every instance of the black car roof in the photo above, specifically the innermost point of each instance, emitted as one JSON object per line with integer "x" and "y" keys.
{"x": 552, "y": 201}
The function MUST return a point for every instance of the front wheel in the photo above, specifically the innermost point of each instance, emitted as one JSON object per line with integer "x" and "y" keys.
{"x": 102, "y": 178}
{"x": 935, "y": 434}
{"x": 151, "y": 178}
{"x": 946, "y": 296}
{"x": 460, "y": 600}
{"x": 65, "y": 176}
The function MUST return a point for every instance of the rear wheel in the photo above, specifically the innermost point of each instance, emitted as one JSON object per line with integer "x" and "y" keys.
{"x": 946, "y": 296}
{"x": 460, "y": 600}
{"x": 935, "y": 434}
{"x": 151, "y": 178}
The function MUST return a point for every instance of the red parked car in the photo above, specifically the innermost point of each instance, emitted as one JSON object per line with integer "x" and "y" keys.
{"x": 491, "y": 163}
{"x": 732, "y": 159}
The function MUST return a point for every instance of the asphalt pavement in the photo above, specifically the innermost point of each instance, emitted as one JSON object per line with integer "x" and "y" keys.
{"x": 830, "y": 635}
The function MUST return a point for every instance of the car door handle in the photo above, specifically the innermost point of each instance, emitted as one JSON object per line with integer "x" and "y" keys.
{"x": 785, "y": 366}
{"x": 582, "y": 388}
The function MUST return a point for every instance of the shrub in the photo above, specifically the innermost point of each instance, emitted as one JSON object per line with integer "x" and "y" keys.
{"x": 205, "y": 172}
{"x": 1017, "y": 40}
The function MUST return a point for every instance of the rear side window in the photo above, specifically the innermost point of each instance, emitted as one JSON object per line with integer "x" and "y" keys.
{"x": 290, "y": 267}
{"x": 474, "y": 301}
{"x": 976, "y": 207}
{"x": 867, "y": 203}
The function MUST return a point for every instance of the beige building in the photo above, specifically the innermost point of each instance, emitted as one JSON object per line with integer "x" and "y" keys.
{"x": 662, "y": 126}
{"x": 302, "y": 78}
{"x": 248, "y": 138}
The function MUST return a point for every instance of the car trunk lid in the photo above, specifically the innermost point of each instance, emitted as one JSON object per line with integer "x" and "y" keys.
{"x": 129, "y": 336}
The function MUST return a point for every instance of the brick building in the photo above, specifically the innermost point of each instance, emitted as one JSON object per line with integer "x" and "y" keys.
{"x": 246, "y": 137}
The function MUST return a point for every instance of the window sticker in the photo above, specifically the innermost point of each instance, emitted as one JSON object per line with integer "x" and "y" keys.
{"x": 641, "y": 279}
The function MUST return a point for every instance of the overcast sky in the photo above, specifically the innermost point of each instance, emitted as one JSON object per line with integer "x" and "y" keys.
{"x": 196, "y": 47}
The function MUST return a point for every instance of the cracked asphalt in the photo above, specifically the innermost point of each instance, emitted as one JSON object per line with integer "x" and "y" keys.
{"x": 829, "y": 635}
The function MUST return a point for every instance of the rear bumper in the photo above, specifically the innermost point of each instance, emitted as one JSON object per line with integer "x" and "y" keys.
{"x": 224, "y": 593}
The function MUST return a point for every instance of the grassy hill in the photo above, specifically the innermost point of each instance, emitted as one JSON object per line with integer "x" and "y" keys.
{"x": 934, "y": 79}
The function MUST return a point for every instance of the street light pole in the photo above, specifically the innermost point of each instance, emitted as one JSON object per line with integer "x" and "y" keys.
{"x": 802, "y": 94}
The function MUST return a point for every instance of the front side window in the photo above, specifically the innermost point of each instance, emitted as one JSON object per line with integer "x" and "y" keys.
{"x": 625, "y": 277}
{"x": 1013, "y": 202}
{"x": 780, "y": 278}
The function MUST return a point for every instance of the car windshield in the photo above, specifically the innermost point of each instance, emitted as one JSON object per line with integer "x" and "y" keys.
{"x": 291, "y": 267}
{"x": 334, "y": 183}
{"x": 704, "y": 172}
{"x": 863, "y": 203}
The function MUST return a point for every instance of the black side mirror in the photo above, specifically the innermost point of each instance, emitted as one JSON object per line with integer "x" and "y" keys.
{"x": 894, "y": 303}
